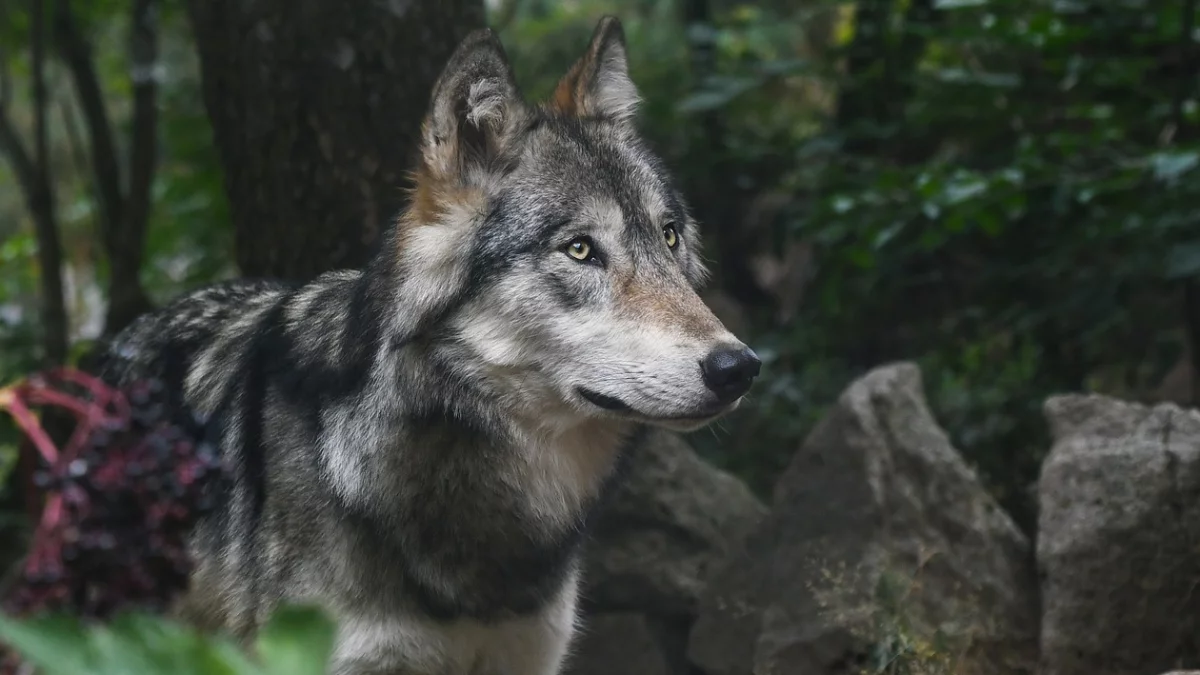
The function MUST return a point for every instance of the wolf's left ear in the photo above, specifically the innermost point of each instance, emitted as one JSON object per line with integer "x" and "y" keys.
{"x": 598, "y": 85}
{"x": 475, "y": 107}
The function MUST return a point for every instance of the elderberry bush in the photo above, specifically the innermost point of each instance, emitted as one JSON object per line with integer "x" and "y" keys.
{"x": 121, "y": 500}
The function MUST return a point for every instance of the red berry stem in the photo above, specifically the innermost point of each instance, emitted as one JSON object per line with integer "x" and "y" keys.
{"x": 11, "y": 401}
{"x": 121, "y": 496}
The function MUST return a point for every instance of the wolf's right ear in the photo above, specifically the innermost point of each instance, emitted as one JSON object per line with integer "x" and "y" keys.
{"x": 474, "y": 110}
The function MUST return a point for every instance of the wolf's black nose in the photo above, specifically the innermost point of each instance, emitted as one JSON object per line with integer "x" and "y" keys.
{"x": 728, "y": 372}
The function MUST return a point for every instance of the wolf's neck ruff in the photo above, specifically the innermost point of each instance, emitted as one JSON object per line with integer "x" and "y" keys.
{"x": 494, "y": 507}
{"x": 430, "y": 391}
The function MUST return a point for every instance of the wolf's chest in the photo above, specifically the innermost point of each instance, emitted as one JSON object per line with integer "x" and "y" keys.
{"x": 411, "y": 643}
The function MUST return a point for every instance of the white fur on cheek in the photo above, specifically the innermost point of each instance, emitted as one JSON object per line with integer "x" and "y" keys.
{"x": 493, "y": 340}
{"x": 497, "y": 325}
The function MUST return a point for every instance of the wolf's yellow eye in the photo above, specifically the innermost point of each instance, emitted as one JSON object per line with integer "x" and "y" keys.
{"x": 671, "y": 235}
{"x": 580, "y": 249}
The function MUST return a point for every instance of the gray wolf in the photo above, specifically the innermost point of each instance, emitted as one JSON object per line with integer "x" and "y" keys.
{"x": 419, "y": 446}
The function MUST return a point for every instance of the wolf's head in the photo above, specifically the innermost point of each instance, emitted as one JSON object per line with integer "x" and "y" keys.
{"x": 548, "y": 250}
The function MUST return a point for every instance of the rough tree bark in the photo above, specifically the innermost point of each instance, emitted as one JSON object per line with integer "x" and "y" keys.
{"x": 316, "y": 108}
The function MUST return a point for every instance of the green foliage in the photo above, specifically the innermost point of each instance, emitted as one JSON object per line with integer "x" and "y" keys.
{"x": 1014, "y": 227}
{"x": 190, "y": 236}
{"x": 296, "y": 641}
{"x": 190, "y": 241}
{"x": 899, "y": 647}
{"x": 1005, "y": 192}
{"x": 18, "y": 335}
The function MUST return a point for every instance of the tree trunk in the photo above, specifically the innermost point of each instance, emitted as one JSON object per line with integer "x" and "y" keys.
{"x": 126, "y": 297}
{"x": 124, "y": 211}
{"x": 316, "y": 108}
{"x": 41, "y": 205}
{"x": 862, "y": 100}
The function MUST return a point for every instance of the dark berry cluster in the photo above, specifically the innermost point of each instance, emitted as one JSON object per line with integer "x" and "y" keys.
{"x": 121, "y": 498}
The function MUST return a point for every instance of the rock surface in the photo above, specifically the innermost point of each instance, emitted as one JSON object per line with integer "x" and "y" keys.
{"x": 620, "y": 643}
{"x": 672, "y": 518}
{"x": 879, "y": 531}
{"x": 1119, "y": 531}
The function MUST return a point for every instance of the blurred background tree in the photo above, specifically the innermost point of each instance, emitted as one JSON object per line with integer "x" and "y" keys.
{"x": 1006, "y": 192}
{"x": 317, "y": 137}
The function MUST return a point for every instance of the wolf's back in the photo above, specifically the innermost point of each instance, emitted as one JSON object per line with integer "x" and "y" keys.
{"x": 164, "y": 344}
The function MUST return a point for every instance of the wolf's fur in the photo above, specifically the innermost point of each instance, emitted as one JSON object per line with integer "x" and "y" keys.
{"x": 418, "y": 446}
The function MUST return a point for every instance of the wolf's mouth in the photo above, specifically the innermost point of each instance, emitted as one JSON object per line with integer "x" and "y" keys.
{"x": 606, "y": 402}
{"x": 613, "y": 404}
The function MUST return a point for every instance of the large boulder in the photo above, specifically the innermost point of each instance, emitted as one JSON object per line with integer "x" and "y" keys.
{"x": 882, "y": 543}
{"x": 621, "y": 643}
{"x": 671, "y": 519}
{"x": 1119, "y": 538}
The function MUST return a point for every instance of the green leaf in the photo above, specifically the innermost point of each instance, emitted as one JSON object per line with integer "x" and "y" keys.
{"x": 703, "y": 101}
{"x": 297, "y": 641}
{"x": 784, "y": 66}
{"x": 887, "y": 234}
{"x": 719, "y": 91}
{"x": 57, "y": 644}
{"x": 1168, "y": 166}
{"x": 8, "y": 460}
{"x": 963, "y": 188}
{"x": 1183, "y": 261}
{"x": 220, "y": 657}
{"x": 702, "y": 33}
{"x": 139, "y": 643}
{"x": 964, "y": 76}
{"x": 131, "y": 644}
{"x": 958, "y": 4}
{"x": 125, "y": 647}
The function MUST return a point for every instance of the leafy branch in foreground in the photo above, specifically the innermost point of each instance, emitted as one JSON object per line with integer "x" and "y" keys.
{"x": 121, "y": 496}
{"x": 296, "y": 641}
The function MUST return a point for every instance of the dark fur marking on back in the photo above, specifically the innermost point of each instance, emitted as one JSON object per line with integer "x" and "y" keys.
{"x": 261, "y": 363}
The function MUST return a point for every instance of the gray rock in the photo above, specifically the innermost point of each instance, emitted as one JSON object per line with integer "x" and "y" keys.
{"x": 879, "y": 531}
{"x": 670, "y": 520}
{"x": 619, "y": 644}
{"x": 1119, "y": 531}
